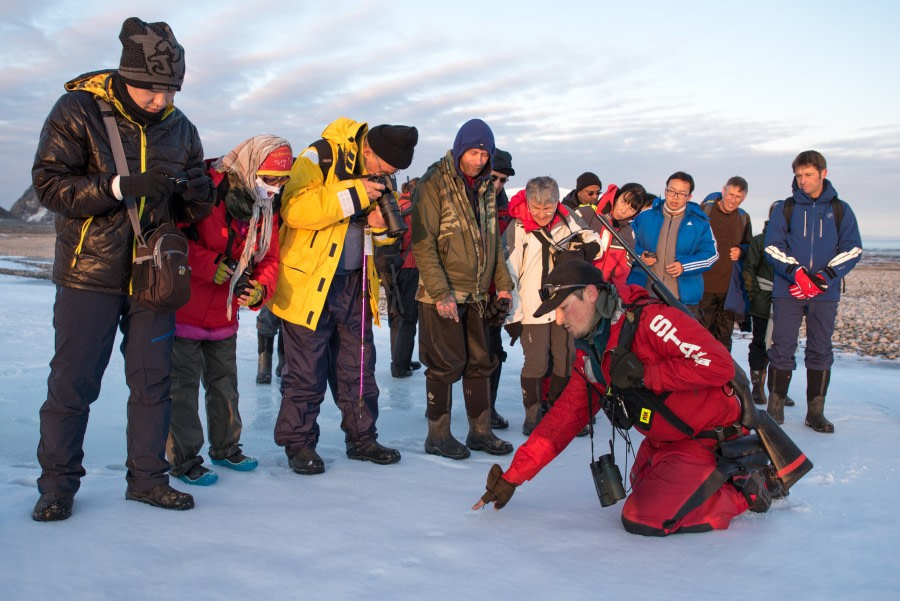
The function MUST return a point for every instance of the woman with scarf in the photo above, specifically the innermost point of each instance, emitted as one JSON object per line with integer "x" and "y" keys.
{"x": 543, "y": 233}
{"x": 234, "y": 263}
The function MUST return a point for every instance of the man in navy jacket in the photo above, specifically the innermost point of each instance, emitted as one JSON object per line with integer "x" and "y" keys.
{"x": 813, "y": 241}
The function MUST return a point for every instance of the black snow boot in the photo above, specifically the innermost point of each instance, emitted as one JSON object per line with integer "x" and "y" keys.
{"x": 53, "y": 507}
{"x": 264, "y": 369}
{"x": 816, "y": 386}
{"x": 531, "y": 399}
{"x": 440, "y": 440}
{"x": 307, "y": 462}
{"x": 163, "y": 496}
{"x": 374, "y": 451}
{"x": 779, "y": 381}
{"x": 498, "y": 422}
{"x": 758, "y": 380}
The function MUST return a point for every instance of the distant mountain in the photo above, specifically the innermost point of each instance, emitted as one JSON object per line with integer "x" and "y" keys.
{"x": 29, "y": 209}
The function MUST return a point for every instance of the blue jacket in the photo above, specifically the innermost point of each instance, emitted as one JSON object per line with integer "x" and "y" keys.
{"x": 813, "y": 242}
{"x": 695, "y": 248}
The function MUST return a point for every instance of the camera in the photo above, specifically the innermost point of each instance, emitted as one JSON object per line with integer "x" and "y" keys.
{"x": 390, "y": 210}
{"x": 243, "y": 282}
{"x": 649, "y": 254}
{"x": 180, "y": 180}
{"x": 607, "y": 480}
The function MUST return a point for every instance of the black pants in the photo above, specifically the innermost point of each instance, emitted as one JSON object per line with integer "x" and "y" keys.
{"x": 756, "y": 356}
{"x": 716, "y": 318}
{"x": 85, "y": 328}
{"x": 403, "y": 314}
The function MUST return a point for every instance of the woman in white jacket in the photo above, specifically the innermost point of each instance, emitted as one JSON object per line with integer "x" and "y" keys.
{"x": 543, "y": 232}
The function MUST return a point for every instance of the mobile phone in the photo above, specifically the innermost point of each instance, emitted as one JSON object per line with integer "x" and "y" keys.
{"x": 650, "y": 255}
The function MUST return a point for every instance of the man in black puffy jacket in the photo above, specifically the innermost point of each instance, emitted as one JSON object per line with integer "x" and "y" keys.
{"x": 75, "y": 176}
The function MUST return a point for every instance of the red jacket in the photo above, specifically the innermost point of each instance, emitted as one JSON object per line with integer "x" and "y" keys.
{"x": 679, "y": 356}
{"x": 614, "y": 261}
{"x": 207, "y": 307}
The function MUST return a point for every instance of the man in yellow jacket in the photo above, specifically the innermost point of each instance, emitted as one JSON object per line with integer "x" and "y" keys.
{"x": 330, "y": 219}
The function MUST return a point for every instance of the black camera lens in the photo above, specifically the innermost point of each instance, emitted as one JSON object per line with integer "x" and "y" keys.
{"x": 390, "y": 210}
{"x": 607, "y": 480}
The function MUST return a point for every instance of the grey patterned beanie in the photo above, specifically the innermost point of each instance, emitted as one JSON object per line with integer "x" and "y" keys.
{"x": 151, "y": 56}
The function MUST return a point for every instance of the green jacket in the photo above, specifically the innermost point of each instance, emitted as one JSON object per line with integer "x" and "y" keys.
{"x": 758, "y": 275}
{"x": 456, "y": 253}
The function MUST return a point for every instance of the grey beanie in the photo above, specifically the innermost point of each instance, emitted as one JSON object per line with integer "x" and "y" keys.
{"x": 151, "y": 56}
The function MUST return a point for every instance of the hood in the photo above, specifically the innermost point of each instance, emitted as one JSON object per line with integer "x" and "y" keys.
{"x": 342, "y": 130}
{"x": 99, "y": 83}
{"x": 518, "y": 209}
{"x": 605, "y": 202}
{"x": 828, "y": 192}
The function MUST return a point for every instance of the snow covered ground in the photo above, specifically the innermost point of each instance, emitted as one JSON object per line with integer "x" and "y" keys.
{"x": 362, "y": 531}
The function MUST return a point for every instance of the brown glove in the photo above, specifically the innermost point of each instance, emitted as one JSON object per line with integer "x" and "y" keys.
{"x": 499, "y": 491}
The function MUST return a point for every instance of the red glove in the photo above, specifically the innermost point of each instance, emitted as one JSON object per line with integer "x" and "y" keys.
{"x": 795, "y": 291}
{"x": 809, "y": 286}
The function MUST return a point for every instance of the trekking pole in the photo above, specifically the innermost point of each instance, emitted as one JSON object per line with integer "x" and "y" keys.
{"x": 789, "y": 461}
{"x": 367, "y": 250}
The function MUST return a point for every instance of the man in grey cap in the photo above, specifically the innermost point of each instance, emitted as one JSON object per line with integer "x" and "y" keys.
{"x": 75, "y": 176}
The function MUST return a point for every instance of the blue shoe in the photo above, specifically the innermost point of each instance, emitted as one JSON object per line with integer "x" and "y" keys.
{"x": 239, "y": 462}
{"x": 199, "y": 476}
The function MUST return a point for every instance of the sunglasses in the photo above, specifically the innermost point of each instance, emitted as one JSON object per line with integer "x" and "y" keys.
{"x": 275, "y": 180}
{"x": 500, "y": 178}
{"x": 548, "y": 291}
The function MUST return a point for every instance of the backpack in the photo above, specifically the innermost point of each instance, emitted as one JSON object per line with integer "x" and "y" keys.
{"x": 836, "y": 206}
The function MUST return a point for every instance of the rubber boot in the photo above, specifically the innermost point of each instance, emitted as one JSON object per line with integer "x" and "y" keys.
{"x": 498, "y": 422}
{"x": 758, "y": 380}
{"x": 264, "y": 369}
{"x": 440, "y": 440}
{"x": 531, "y": 399}
{"x": 816, "y": 386}
{"x": 477, "y": 393}
{"x": 779, "y": 381}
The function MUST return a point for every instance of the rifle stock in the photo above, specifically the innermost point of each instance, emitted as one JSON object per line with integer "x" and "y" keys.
{"x": 790, "y": 462}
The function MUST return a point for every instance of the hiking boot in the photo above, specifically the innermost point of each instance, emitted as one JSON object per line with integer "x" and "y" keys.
{"x": 482, "y": 438}
{"x": 238, "y": 461}
{"x": 531, "y": 400}
{"x": 53, "y": 507}
{"x": 163, "y": 496}
{"x": 789, "y": 402}
{"x": 414, "y": 365}
{"x": 400, "y": 372}
{"x": 753, "y": 486}
{"x": 441, "y": 442}
{"x": 199, "y": 476}
{"x": 307, "y": 462}
{"x": 373, "y": 451}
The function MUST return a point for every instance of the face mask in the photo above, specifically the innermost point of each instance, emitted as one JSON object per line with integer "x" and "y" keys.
{"x": 264, "y": 190}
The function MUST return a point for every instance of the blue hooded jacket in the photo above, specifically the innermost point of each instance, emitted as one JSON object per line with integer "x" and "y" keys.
{"x": 813, "y": 242}
{"x": 695, "y": 248}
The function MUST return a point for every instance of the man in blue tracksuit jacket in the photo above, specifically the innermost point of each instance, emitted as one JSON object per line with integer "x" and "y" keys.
{"x": 811, "y": 255}
{"x": 674, "y": 239}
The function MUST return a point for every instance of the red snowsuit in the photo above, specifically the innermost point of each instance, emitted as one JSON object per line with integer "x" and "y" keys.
{"x": 679, "y": 357}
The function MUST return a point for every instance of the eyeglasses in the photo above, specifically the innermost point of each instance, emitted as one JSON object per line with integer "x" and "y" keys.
{"x": 500, "y": 178}
{"x": 676, "y": 194}
{"x": 275, "y": 180}
{"x": 591, "y": 192}
{"x": 548, "y": 291}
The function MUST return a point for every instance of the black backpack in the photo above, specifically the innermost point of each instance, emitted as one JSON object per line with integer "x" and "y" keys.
{"x": 836, "y": 206}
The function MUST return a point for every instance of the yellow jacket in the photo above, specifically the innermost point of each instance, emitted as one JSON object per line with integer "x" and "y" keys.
{"x": 316, "y": 213}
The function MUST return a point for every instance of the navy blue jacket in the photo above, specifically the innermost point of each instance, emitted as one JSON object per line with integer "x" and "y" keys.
{"x": 813, "y": 242}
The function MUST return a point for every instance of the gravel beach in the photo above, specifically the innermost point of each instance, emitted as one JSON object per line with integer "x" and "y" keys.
{"x": 867, "y": 322}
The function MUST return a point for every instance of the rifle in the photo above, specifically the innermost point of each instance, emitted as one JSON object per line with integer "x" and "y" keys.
{"x": 789, "y": 461}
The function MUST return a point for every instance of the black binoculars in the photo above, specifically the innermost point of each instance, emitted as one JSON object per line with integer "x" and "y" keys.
{"x": 390, "y": 210}
{"x": 607, "y": 480}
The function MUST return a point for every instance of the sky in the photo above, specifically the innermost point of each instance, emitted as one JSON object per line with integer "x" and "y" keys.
{"x": 631, "y": 91}
{"x": 362, "y": 531}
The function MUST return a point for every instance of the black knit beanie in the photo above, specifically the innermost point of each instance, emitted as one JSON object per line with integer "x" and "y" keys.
{"x": 587, "y": 179}
{"x": 394, "y": 144}
{"x": 151, "y": 56}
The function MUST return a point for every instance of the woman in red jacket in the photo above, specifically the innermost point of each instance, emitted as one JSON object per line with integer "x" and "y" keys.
{"x": 234, "y": 263}
{"x": 619, "y": 205}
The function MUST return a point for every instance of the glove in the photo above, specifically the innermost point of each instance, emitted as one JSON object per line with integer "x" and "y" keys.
{"x": 497, "y": 311}
{"x": 795, "y": 291}
{"x": 627, "y": 371}
{"x": 810, "y": 286}
{"x": 199, "y": 186}
{"x": 223, "y": 272}
{"x": 254, "y": 294}
{"x": 499, "y": 491}
{"x": 514, "y": 330}
{"x": 149, "y": 184}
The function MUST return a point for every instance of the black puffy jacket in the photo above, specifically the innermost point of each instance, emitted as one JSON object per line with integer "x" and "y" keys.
{"x": 72, "y": 172}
